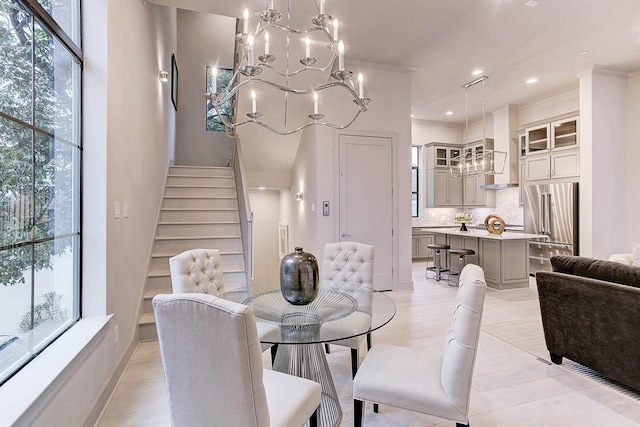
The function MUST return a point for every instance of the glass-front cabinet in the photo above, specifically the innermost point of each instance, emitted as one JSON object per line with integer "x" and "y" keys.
{"x": 538, "y": 139}
{"x": 564, "y": 134}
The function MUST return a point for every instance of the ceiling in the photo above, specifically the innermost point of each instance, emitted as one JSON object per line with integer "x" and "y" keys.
{"x": 443, "y": 41}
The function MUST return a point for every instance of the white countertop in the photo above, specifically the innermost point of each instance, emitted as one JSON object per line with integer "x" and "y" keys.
{"x": 484, "y": 234}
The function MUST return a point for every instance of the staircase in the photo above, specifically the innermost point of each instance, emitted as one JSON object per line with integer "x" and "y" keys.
{"x": 199, "y": 210}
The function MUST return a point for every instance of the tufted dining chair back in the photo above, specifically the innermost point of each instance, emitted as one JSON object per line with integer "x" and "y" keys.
{"x": 197, "y": 271}
{"x": 348, "y": 266}
{"x": 347, "y": 262}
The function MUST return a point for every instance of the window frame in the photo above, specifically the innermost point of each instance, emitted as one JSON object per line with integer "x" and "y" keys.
{"x": 40, "y": 17}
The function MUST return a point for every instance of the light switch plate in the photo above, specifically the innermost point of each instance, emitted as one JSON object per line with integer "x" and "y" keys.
{"x": 116, "y": 213}
{"x": 125, "y": 210}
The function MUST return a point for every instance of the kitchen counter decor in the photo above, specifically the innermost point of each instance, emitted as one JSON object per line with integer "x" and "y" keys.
{"x": 494, "y": 224}
{"x": 463, "y": 218}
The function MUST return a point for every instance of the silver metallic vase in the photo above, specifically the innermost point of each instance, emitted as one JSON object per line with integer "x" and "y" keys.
{"x": 299, "y": 277}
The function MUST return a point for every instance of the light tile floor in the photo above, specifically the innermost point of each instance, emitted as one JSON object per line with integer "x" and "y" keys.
{"x": 511, "y": 387}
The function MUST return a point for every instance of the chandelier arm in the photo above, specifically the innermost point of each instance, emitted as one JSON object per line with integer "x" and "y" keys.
{"x": 300, "y": 70}
{"x": 228, "y": 124}
{"x": 218, "y": 100}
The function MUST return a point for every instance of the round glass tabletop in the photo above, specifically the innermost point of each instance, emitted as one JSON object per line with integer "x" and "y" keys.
{"x": 334, "y": 315}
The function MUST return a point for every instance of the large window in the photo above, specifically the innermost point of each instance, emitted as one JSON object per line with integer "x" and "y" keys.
{"x": 415, "y": 170}
{"x": 40, "y": 155}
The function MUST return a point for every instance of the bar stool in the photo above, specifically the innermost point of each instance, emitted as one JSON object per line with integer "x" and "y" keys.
{"x": 462, "y": 255}
{"x": 436, "y": 268}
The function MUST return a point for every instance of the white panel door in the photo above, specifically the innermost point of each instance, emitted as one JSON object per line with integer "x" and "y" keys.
{"x": 366, "y": 200}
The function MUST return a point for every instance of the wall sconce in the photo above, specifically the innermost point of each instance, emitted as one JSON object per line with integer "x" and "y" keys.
{"x": 164, "y": 76}
{"x": 299, "y": 197}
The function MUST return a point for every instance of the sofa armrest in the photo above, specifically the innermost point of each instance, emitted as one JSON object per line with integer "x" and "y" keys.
{"x": 622, "y": 258}
{"x": 592, "y": 322}
{"x": 598, "y": 269}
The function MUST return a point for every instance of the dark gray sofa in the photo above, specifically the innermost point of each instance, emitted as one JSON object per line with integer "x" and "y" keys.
{"x": 591, "y": 314}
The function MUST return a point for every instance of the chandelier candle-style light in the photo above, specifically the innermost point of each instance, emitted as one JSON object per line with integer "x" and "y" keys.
{"x": 479, "y": 162}
{"x": 281, "y": 74}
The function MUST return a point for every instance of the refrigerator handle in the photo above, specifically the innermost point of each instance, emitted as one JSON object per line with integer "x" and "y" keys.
{"x": 541, "y": 214}
{"x": 547, "y": 214}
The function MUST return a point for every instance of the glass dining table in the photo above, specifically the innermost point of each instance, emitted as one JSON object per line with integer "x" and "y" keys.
{"x": 299, "y": 331}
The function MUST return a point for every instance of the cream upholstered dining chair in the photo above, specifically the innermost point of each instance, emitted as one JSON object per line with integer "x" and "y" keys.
{"x": 213, "y": 368}
{"x": 200, "y": 271}
{"x": 431, "y": 381}
{"x": 347, "y": 265}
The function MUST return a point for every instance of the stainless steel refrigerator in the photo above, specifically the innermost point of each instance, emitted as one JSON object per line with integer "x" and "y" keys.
{"x": 552, "y": 210}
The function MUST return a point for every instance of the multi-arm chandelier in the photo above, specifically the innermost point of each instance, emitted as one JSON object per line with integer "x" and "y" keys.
{"x": 477, "y": 162}
{"x": 270, "y": 73}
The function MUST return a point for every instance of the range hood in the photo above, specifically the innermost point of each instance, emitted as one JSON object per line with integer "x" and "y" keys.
{"x": 499, "y": 186}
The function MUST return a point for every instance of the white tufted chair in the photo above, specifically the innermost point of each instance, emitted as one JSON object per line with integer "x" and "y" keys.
{"x": 430, "y": 381}
{"x": 349, "y": 265}
{"x": 200, "y": 271}
{"x": 197, "y": 271}
{"x": 214, "y": 373}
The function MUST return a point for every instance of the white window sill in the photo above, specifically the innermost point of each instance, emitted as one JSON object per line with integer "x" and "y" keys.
{"x": 29, "y": 388}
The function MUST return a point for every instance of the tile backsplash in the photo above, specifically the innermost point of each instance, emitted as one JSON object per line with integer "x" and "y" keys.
{"x": 507, "y": 207}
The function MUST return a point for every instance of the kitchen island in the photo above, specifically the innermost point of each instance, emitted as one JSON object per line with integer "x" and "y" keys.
{"x": 503, "y": 257}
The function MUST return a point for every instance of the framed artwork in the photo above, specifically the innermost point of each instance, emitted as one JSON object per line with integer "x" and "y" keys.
{"x": 174, "y": 81}
{"x": 283, "y": 240}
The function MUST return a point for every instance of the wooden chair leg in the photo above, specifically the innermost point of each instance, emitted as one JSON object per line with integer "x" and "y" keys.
{"x": 327, "y": 349}
{"x": 369, "y": 341}
{"x": 375, "y": 408}
{"x": 462, "y": 425}
{"x": 358, "y": 412}
{"x": 274, "y": 350}
{"x": 354, "y": 362}
{"x": 313, "y": 421}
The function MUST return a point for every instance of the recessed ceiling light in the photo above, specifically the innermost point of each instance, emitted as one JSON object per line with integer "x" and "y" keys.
{"x": 531, "y": 3}
{"x": 532, "y": 80}
{"x": 477, "y": 72}
{"x": 449, "y": 113}
{"x": 584, "y": 52}
{"x": 412, "y": 115}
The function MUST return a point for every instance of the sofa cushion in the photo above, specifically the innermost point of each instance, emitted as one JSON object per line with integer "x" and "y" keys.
{"x": 597, "y": 269}
{"x": 636, "y": 254}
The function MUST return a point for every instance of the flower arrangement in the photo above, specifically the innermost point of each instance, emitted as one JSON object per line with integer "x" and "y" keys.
{"x": 463, "y": 217}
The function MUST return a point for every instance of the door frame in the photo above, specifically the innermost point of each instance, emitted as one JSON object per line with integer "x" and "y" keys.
{"x": 394, "y": 188}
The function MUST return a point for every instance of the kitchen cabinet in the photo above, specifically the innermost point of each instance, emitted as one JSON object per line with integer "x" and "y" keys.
{"x": 442, "y": 189}
{"x": 420, "y": 240}
{"x": 555, "y": 165}
{"x": 552, "y": 151}
{"x": 537, "y": 139}
{"x": 473, "y": 194}
{"x": 564, "y": 134}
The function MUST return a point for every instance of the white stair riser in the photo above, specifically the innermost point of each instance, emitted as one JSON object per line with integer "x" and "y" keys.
{"x": 199, "y": 215}
{"x": 181, "y": 245}
{"x": 208, "y": 181}
{"x": 190, "y": 203}
{"x": 200, "y": 191}
{"x": 233, "y": 261}
{"x": 196, "y": 230}
{"x": 182, "y": 170}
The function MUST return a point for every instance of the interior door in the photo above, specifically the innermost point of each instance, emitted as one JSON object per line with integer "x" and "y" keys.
{"x": 366, "y": 199}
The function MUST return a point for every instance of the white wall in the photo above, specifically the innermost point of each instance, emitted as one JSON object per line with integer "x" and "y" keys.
{"x": 128, "y": 141}
{"x": 389, "y": 114}
{"x": 633, "y": 171}
{"x": 203, "y": 39}
{"x": 424, "y": 132}
{"x": 603, "y": 157}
